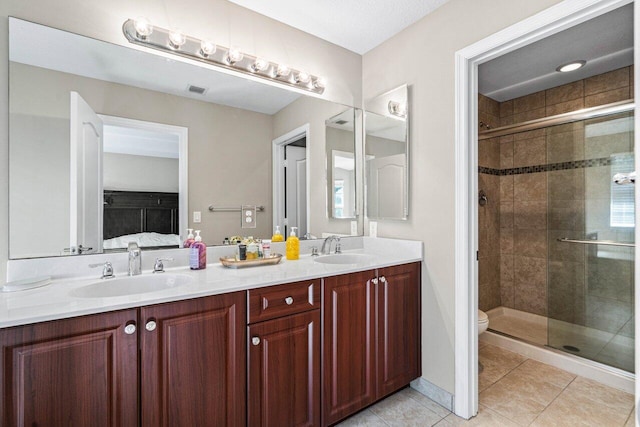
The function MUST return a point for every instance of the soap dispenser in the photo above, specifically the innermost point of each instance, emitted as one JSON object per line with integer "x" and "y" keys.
{"x": 293, "y": 245}
{"x": 277, "y": 235}
{"x": 198, "y": 253}
{"x": 190, "y": 239}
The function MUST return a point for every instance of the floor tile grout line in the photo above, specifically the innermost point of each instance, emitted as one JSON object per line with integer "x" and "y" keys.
{"x": 554, "y": 399}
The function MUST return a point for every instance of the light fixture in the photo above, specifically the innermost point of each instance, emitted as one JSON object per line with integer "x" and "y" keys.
{"x": 141, "y": 32}
{"x": 260, "y": 64}
{"x": 207, "y": 48}
{"x": 233, "y": 55}
{"x": 283, "y": 71}
{"x": 177, "y": 39}
{"x": 397, "y": 108}
{"x": 302, "y": 77}
{"x": 143, "y": 27}
{"x": 571, "y": 66}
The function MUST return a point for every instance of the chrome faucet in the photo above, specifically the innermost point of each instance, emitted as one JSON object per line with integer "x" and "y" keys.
{"x": 327, "y": 250}
{"x": 135, "y": 258}
{"x": 107, "y": 270}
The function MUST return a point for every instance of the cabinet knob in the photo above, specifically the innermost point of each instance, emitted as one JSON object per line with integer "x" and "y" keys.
{"x": 130, "y": 329}
{"x": 288, "y": 300}
{"x": 150, "y": 326}
{"x": 255, "y": 340}
{"x": 374, "y": 280}
{"x": 383, "y": 279}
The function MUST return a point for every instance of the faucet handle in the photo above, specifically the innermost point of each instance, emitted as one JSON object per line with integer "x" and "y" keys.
{"x": 158, "y": 267}
{"x": 314, "y": 251}
{"x": 107, "y": 269}
{"x": 338, "y": 247}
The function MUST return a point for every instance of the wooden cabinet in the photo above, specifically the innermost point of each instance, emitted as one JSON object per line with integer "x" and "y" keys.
{"x": 193, "y": 362}
{"x": 284, "y": 356}
{"x": 72, "y": 372}
{"x": 398, "y": 309}
{"x": 84, "y": 371}
{"x": 371, "y": 340}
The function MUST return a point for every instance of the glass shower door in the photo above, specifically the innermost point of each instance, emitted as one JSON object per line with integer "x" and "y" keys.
{"x": 591, "y": 225}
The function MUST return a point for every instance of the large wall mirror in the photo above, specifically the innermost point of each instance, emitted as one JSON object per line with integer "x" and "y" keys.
{"x": 386, "y": 155}
{"x": 341, "y": 165}
{"x": 111, "y": 144}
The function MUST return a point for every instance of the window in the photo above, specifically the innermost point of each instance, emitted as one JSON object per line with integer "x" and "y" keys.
{"x": 338, "y": 197}
{"x": 622, "y": 196}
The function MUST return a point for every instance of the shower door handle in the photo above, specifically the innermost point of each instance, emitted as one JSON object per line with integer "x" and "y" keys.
{"x": 597, "y": 242}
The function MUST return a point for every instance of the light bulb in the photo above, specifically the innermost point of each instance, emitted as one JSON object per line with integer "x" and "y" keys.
{"x": 282, "y": 71}
{"x": 234, "y": 55}
{"x": 177, "y": 39}
{"x": 260, "y": 64}
{"x": 207, "y": 48}
{"x": 572, "y": 66}
{"x": 302, "y": 77}
{"x": 320, "y": 83}
{"x": 397, "y": 108}
{"x": 143, "y": 27}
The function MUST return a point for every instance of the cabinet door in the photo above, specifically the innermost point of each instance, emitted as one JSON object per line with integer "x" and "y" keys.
{"x": 348, "y": 345}
{"x": 72, "y": 372}
{"x": 193, "y": 362}
{"x": 398, "y": 327}
{"x": 284, "y": 371}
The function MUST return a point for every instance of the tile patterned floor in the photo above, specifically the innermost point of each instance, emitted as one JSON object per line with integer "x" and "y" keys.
{"x": 514, "y": 391}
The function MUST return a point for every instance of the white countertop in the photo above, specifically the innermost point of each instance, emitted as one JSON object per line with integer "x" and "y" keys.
{"x": 56, "y": 301}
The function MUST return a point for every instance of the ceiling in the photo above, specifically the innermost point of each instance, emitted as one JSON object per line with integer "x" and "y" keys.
{"x": 46, "y": 47}
{"x": 605, "y": 42}
{"x": 356, "y": 25}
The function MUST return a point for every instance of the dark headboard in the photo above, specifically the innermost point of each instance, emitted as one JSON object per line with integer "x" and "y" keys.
{"x": 130, "y": 212}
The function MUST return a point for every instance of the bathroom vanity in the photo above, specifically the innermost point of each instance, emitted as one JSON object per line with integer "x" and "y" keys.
{"x": 277, "y": 352}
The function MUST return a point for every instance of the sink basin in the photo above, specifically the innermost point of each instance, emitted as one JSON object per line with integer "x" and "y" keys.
{"x": 342, "y": 259}
{"x": 131, "y": 285}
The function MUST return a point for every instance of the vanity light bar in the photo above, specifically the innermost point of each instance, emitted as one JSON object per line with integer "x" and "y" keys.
{"x": 141, "y": 32}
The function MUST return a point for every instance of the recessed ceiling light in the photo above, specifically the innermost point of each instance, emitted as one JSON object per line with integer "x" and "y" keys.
{"x": 571, "y": 66}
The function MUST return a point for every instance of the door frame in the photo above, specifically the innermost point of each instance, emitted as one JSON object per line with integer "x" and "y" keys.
{"x": 548, "y": 22}
{"x": 278, "y": 173}
{"x": 183, "y": 160}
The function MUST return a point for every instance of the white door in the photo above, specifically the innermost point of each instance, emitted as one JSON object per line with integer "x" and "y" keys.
{"x": 385, "y": 186}
{"x": 86, "y": 178}
{"x": 296, "y": 184}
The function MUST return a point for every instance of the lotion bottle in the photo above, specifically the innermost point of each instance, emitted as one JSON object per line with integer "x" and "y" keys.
{"x": 190, "y": 240}
{"x": 198, "y": 253}
{"x": 277, "y": 235}
{"x": 293, "y": 245}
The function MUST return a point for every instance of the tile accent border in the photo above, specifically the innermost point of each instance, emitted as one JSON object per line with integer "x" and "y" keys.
{"x": 577, "y": 164}
{"x": 433, "y": 392}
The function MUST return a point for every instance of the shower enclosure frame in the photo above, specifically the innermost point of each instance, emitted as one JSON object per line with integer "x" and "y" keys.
{"x": 548, "y": 22}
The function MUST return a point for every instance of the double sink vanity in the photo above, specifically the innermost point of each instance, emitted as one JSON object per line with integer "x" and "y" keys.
{"x": 301, "y": 343}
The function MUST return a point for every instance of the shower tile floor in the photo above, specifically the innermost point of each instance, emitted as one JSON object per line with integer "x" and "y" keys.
{"x": 514, "y": 391}
{"x": 614, "y": 349}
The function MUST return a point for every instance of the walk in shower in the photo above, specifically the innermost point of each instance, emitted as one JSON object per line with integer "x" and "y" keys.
{"x": 556, "y": 226}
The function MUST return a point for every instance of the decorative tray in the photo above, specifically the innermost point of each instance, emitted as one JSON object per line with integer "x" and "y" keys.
{"x": 231, "y": 262}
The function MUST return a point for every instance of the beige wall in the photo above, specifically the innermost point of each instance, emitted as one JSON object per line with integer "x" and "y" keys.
{"x": 127, "y": 172}
{"x": 423, "y": 57}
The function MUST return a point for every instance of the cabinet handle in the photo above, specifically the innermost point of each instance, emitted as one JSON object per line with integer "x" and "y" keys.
{"x": 383, "y": 279}
{"x": 255, "y": 340}
{"x": 150, "y": 326}
{"x": 374, "y": 280}
{"x": 288, "y": 300}
{"x": 130, "y": 329}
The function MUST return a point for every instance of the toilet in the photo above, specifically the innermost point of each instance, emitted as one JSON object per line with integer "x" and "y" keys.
{"x": 483, "y": 322}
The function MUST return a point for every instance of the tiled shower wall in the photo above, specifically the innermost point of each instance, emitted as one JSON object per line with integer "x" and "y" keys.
{"x": 532, "y": 203}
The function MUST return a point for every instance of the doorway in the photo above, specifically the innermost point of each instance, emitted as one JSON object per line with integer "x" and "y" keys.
{"x": 290, "y": 183}
{"x": 551, "y": 21}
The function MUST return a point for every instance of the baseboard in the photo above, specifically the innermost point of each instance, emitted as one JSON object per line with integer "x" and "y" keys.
{"x": 433, "y": 392}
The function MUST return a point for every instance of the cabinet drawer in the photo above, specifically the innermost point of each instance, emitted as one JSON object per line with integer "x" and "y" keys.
{"x": 282, "y": 300}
